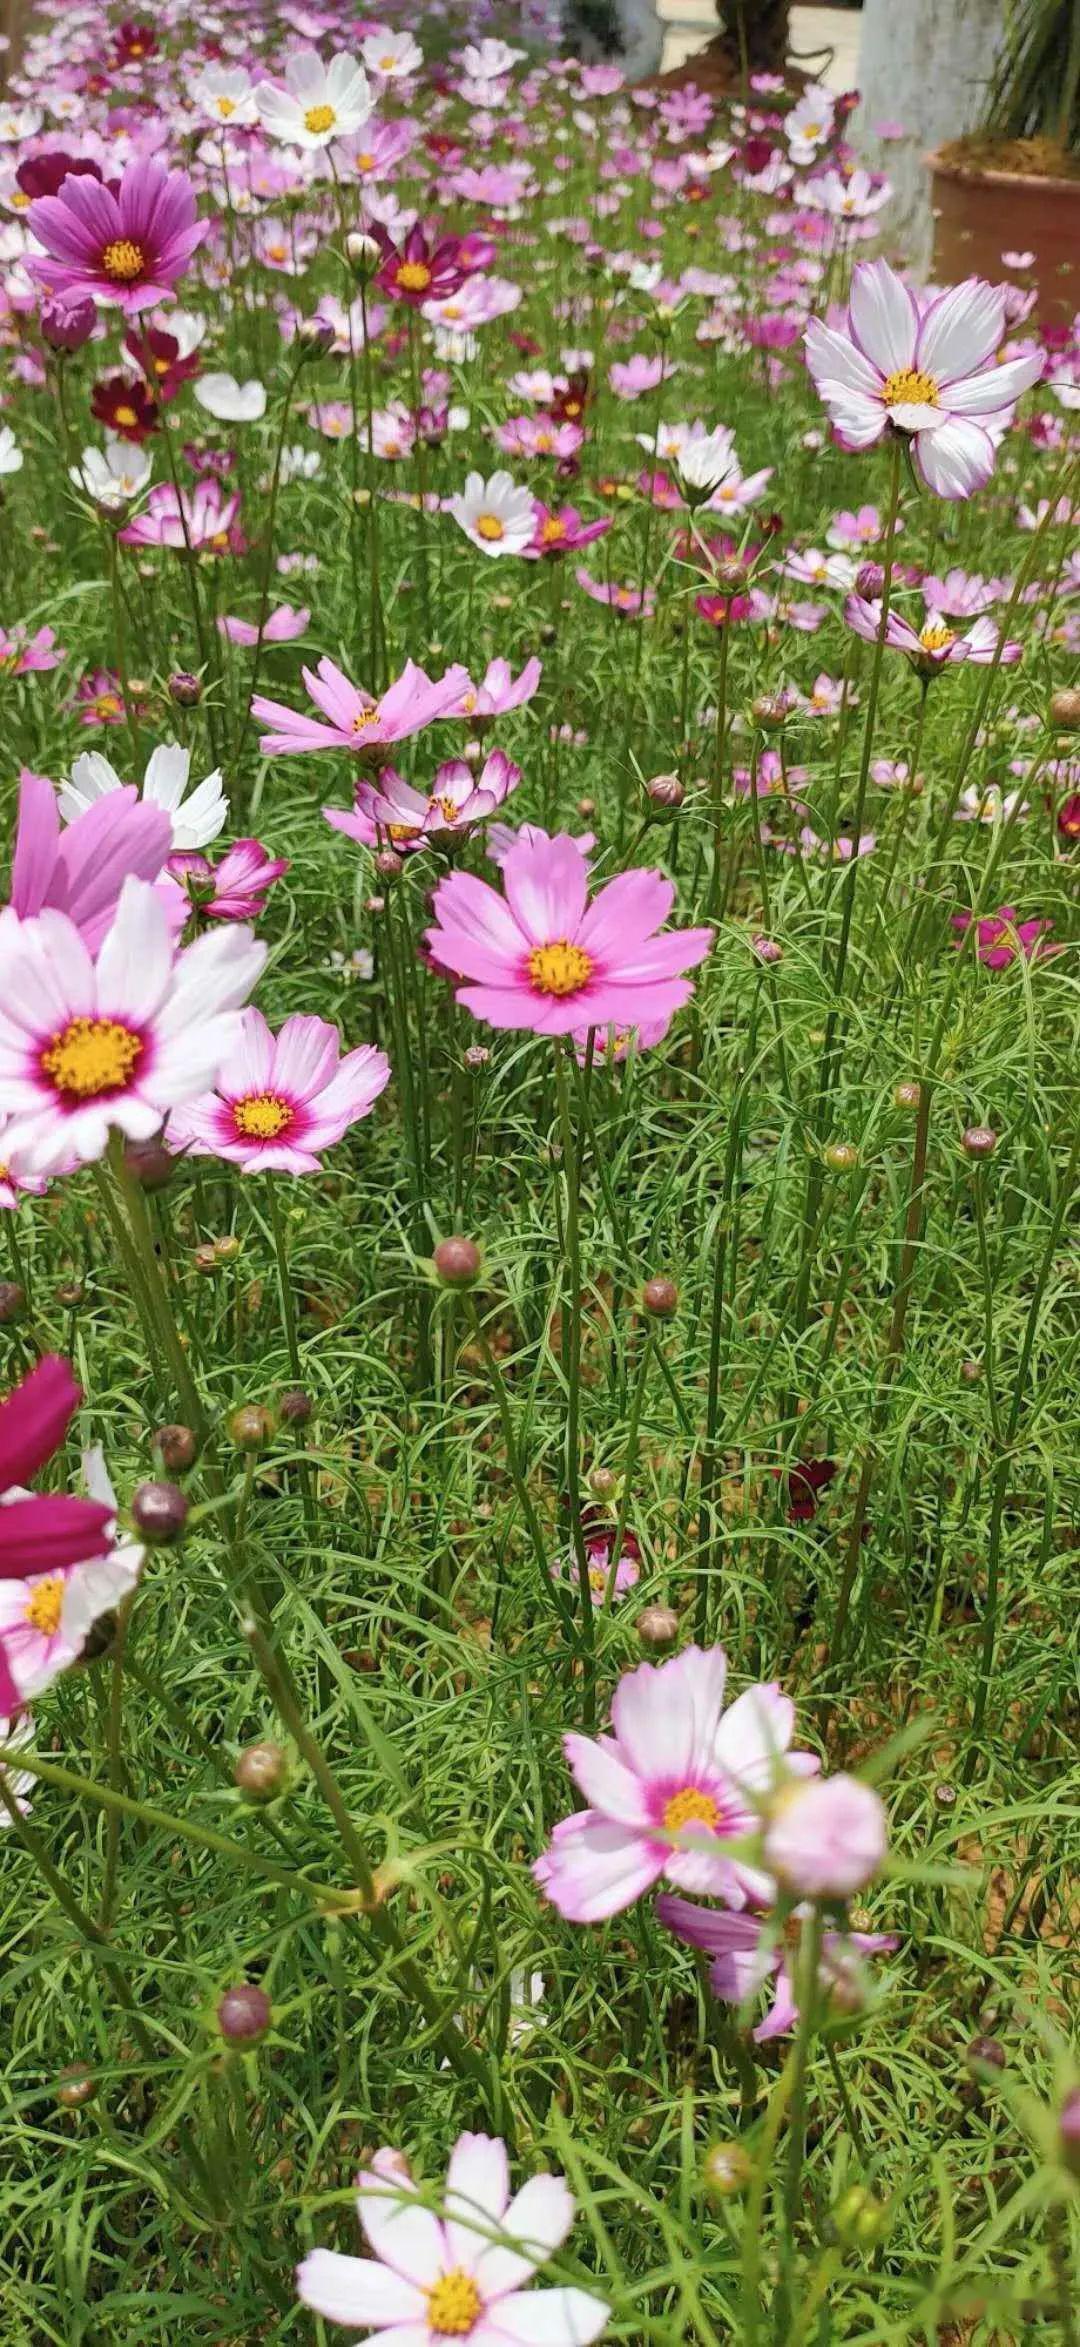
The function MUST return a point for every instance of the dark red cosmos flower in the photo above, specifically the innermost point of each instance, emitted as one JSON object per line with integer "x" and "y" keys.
{"x": 527, "y": 345}
{"x": 44, "y": 175}
{"x": 756, "y": 155}
{"x": 419, "y": 270}
{"x": 134, "y": 41}
{"x": 805, "y": 1480}
{"x": 155, "y": 350}
{"x": 1068, "y": 819}
{"x": 124, "y": 405}
{"x": 39, "y": 1532}
{"x": 568, "y": 407}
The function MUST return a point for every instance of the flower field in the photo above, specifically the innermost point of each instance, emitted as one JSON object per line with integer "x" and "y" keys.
{"x": 538, "y": 1154}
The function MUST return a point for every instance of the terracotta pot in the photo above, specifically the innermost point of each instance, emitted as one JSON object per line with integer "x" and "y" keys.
{"x": 980, "y": 214}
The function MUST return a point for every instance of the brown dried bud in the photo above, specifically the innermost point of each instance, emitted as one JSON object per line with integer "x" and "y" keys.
{"x": 657, "y": 1627}
{"x": 70, "y": 1293}
{"x": 177, "y": 1447}
{"x": 1065, "y": 708}
{"x": 75, "y": 2085}
{"x": 660, "y": 1298}
{"x": 185, "y": 689}
{"x": 457, "y": 1262}
{"x": 983, "y": 2054}
{"x": 261, "y": 1772}
{"x": 159, "y": 1511}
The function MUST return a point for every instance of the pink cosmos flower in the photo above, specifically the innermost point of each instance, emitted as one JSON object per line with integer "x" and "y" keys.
{"x": 235, "y": 888}
{"x": 630, "y": 378}
{"x": 677, "y": 1765}
{"x": 538, "y": 436}
{"x": 130, "y": 247}
{"x": 563, "y": 532}
{"x": 541, "y": 958}
{"x": 1002, "y": 935}
{"x": 963, "y": 594}
{"x": 935, "y": 645}
{"x": 927, "y": 371}
{"x": 280, "y": 1101}
{"x": 748, "y": 1952}
{"x": 626, "y": 600}
{"x": 828, "y": 1839}
{"x": 852, "y": 533}
{"x": 23, "y": 655}
{"x": 499, "y": 691}
{"x": 17, "y": 1177}
{"x": 81, "y": 869}
{"x": 99, "y": 698}
{"x": 827, "y": 697}
{"x": 210, "y": 516}
{"x": 390, "y": 812}
{"x": 501, "y": 837}
{"x": 354, "y": 720}
{"x": 89, "y": 1045}
{"x": 282, "y": 626}
{"x": 46, "y": 1618}
{"x": 598, "y": 1552}
{"x": 461, "y": 2274}
{"x": 40, "y": 1534}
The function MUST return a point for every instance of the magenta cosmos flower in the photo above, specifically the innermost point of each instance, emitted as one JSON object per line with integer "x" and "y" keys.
{"x": 41, "y": 1537}
{"x": 748, "y": 1952}
{"x": 129, "y": 248}
{"x": 459, "y": 2275}
{"x": 354, "y": 721}
{"x": 233, "y": 889}
{"x": 677, "y": 1765}
{"x": 90, "y": 1045}
{"x": 543, "y": 957}
{"x": 279, "y": 1101}
{"x": 46, "y": 1617}
{"x": 81, "y": 869}
{"x": 935, "y": 645}
{"x": 927, "y": 371}
{"x": 389, "y": 812}
{"x": 1003, "y": 935}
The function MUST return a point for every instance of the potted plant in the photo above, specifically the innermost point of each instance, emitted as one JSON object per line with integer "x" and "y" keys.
{"x": 1013, "y": 183}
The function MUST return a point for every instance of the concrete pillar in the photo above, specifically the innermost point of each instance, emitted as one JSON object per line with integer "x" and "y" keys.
{"x": 925, "y": 64}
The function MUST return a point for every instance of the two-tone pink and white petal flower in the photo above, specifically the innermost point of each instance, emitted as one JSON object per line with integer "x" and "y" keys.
{"x": 281, "y": 1101}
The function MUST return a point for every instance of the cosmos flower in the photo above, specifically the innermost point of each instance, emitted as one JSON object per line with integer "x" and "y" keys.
{"x": 318, "y": 104}
{"x": 41, "y": 1533}
{"x": 355, "y": 721}
{"x": 499, "y": 691}
{"x": 986, "y": 802}
{"x": 81, "y": 870}
{"x": 827, "y": 1839}
{"x": 117, "y": 1041}
{"x": 234, "y": 889}
{"x": 283, "y": 625}
{"x": 208, "y": 515}
{"x": 226, "y": 95}
{"x": 123, "y": 404}
{"x": 541, "y": 957}
{"x": 130, "y": 248}
{"x": 1001, "y": 936}
{"x": 926, "y": 371}
{"x": 933, "y": 646}
{"x": 497, "y": 514}
{"x": 46, "y": 1618}
{"x": 231, "y": 402}
{"x": 423, "y": 268}
{"x": 677, "y": 1764}
{"x": 112, "y": 477}
{"x": 750, "y": 1952}
{"x": 627, "y": 601}
{"x": 563, "y": 532}
{"x": 464, "y": 2273}
{"x": 279, "y": 1102}
{"x": 23, "y": 654}
{"x": 195, "y": 819}
{"x": 11, "y": 455}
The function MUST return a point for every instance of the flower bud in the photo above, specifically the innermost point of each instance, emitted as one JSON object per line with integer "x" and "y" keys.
{"x": 729, "y": 574}
{"x": 1065, "y": 708}
{"x": 177, "y": 1447}
{"x": 70, "y": 1293}
{"x": 477, "y": 1056}
{"x": 660, "y": 1298}
{"x": 244, "y": 2014}
{"x": 251, "y": 1427}
{"x": 75, "y": 2085}
{"x": 826, "y": 1837}
{"x": 770, "y": 711}
{"x": 473, "y": 752}
{"x": 295, "y": 1407}
{"x": 726, "y": 2168}
{"x": 665, "y": 794}
{"x": 841, "y": 1156}
{"x": 548, "y": 634}
{"x": 67, "y": 321}
{"x": 971, "y": 1372}
{"x": 185, "y": 689}
{"x": 12, "y": 1302}
{"x": 870, "y": 581}
{"x": 657, "y": 1627}
{"x": 159, "y": 1511}
{"x": 149, "y": 1163}
{"x": 603, "y": 1483}
{"x": 1069, "y": 2132}
{"x": 982, "y": 2055}
{"x": 978, "y": 1141}
{"x": 261, "y": 1772}
{"x": 457, "y": 1262}
{"x": 907, "y": 1094}
{"x": 585, "y": 808}
{"x": 859, "y": 2219}
{"x": 362, "y": 254}
{"x": 766, "y": 949}
{"x": 387, "y": 865}
{"x": 314, "y": 337}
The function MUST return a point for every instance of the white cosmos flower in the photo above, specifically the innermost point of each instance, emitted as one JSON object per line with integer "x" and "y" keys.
{"x": 113, "y": 476}
{"x": 391, "y": 55}
{"x": 188, "y": 328}
{"x": 319, "y": 103}
{"x": 226, "y": 95}
{"x": 299, "y": 463}
{"x": 496, "y": 514}
{"x": 11, "y": 454}
{"x": 489, "y": 60}
{"x": 17, "y": 1782}
{"x": 702, "y": 465}
{"x": 18, "y": 123}
{"x": 196, "y": 819}
{"x": 231, "y": 402}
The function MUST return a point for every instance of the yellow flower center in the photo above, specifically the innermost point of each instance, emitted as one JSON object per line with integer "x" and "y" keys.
{"x": 468, "y": 704}
{"x": 225, "y": 107}
{"x": 489, "y": 526}
{"x": 598, "y": 1579}
{"x": 544, "y": 442}
{"x": 690, "y": 1807}
{"x": 387, "y": 63}
{"x": 46, "y": 1602}
{"x": 106, "y": 705}
{"x": 91, "y": 1056}
{"x": 451, "y": 310}
{"x": 553, "y": 530}
{"x": 276, "y": 252}
{"x": 125, "y": 415}
{"x": 448, "y": 807}
{"x": 413, "y": 276}
{"x": 936, "y": 637}
{"x": 454, "y": 2304}
{"x": 319, "y": 118}
{"x": 560, "y": 968}
{"x": 365, "y": 162}
{"x": 123, "y": 260}
{"x": 910, "y": 387}
{"x": 364, "y": 717}
{"x": 262, "y": 1116}
{"x": 402, "y": 830}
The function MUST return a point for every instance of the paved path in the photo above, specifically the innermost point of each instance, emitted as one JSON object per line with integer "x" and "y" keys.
{"x": 693, "y": 22}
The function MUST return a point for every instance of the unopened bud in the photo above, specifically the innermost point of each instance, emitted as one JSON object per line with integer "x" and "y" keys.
{"x": 457, "y": 1262}
{"x": 729, "y": 574}
{"x": 971, "y": 1372}
{"x": 261, "y": 1772}
{"x": 177, "y": 1447}
{"x": 159, "y": 1511}
{"x": 150, "y": 1164}
{"x": 295, "y": 1407}
{"x": 603, "y": 1483}
{"x": 770, "y": 711}
{"x": 244, "y": 2014}
{"x": 314, "y": 336}
{"x": 477, "y": 1056}
{"x": 870, "y": 581}
{"x": 70, "y": 1293}
{"x": 1065, "y": 708}
{"x": 859, "y": 2219}
{"x": 473, "y": 752}
{"x": 251, "y": 1427}
{"x": 726, "y": 2168}
{"x": 657, "y": 1627}
{"x": 767, "y": 949}
{"x": 387, "y": 865}
{"x": 362, "y": 254}
{"x": 978, "y": 1141}
{"x": 585, "y": 808}
{"x": 984, "y": 2054}
{"x": 12, "y": 1301}
{"x": 907, "y": 1095}
{"x": 841, "y": 1156}
{"x": 665, "y": 793}
{"x": 660, "y": 1298}
{"x": 75, "y": 2085}
{"x": 185, "y": 689}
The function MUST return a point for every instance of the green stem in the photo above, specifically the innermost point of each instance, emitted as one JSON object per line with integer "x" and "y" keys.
{"x": 572, "y": 1309}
